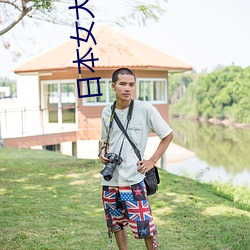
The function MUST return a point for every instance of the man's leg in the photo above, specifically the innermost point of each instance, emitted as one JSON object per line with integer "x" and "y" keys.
{"x": 122, "y": 239}
{"x": 151, "y": 243}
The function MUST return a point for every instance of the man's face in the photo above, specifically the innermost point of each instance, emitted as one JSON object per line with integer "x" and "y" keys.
{"x": 124, "y": 87}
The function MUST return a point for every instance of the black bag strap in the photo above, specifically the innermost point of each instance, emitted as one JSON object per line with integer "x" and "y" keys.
{"x": 137, "y": 151}
{"x": 129, "y": 116}
{"x": 113, "y": 115}
{"x": 152, "y": 172}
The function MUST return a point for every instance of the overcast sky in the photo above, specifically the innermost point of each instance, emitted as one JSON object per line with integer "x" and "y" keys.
{"x": 203, "y": 33}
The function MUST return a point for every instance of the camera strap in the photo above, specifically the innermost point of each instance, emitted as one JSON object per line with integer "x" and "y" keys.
{"x": 112, "y": 117}
{"x": 136, "y": 150}
{"x": 106, "y": 143}
{"x": 110, "y": 125}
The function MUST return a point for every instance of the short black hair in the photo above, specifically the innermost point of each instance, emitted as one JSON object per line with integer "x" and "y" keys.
{"x": 121, "y": 71}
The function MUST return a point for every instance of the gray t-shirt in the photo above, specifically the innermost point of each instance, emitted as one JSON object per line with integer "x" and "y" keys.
{"x": 145, "y": 119}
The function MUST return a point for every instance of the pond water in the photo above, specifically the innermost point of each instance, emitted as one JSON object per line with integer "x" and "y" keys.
{"x": 221, "y": 153}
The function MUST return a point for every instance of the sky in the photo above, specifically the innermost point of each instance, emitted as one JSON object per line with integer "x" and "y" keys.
{"x": 203, "y": 33}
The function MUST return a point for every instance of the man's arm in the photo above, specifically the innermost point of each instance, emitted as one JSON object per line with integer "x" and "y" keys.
{"x": 146, "y": 165}
{"x": 103, "y": 151}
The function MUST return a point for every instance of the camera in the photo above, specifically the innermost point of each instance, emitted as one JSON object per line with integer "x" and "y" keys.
{"x": 109, "y": 169}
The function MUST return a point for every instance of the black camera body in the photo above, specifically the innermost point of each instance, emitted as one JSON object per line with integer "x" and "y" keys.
{"x": 109, "y": 169}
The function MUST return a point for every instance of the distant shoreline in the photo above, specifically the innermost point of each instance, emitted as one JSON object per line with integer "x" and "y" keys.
{"x": 215, "y": 121}
{"x": 228, "y": 123}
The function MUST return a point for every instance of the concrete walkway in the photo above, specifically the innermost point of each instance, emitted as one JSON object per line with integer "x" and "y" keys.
{"x": 174, "y": 154}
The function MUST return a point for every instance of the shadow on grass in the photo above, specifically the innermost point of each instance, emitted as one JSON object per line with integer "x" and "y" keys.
{"x": 50, "y": 201}
{"x": 191, "y": 216}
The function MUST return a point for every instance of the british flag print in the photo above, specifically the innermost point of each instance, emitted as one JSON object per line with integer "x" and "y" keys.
{"x": 128, "y": 205}
{"x": 138, "y": 211}
{"x": 109, "y": 199}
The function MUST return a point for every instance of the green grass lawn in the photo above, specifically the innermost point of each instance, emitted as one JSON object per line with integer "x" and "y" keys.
{"x": 51, "y": 201}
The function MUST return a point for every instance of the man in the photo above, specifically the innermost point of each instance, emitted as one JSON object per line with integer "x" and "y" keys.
{"x": 124, "y": 196}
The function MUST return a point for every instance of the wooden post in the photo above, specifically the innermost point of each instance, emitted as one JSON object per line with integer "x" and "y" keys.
{"x": 164, "y": 161}
{"x": 1, "y": 141}
{"x": 74, "y": 148}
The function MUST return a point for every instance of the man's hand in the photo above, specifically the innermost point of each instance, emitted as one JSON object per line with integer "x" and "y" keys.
{"x": 103, "y": 159}
{"x": 103, "y": 151}
{"x": 145, "y": 165}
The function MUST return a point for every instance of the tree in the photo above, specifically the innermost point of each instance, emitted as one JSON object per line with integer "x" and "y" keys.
{"x": 7, "y": 82}
{"x": 15, "y": 11}
{"x": 221, "y": 94}
{"x": 57, "y": 11}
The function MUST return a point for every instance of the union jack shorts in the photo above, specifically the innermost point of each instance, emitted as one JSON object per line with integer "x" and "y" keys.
{"x": 128, "y": 205}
